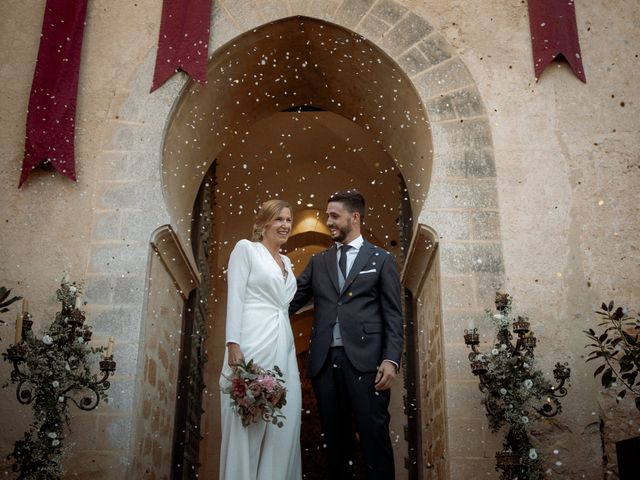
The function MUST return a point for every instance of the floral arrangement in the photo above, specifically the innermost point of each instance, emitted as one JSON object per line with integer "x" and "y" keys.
{"x": 50, "y": 369}
{"x": 257, "y": 393}
{"x": 618, "y": 346}
{"x": 513, "y": 386}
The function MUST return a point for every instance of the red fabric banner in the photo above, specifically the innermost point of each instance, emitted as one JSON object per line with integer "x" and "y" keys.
{"x": 52, "y": 104}
{"x": 183, "y": 43}
{"x": 554, "y": 32}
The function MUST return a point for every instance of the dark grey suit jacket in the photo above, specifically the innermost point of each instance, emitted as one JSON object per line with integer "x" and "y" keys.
{"x": 369, "y": 308}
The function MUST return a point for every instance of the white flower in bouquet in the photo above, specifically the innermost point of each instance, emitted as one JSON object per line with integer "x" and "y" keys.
{"x": 524, "y": 419}
{"x": 60, "y": 399}
{"x": 55, "y": 443}
{"x": 528, "y": 383}
{"x": 533, "y": 455}
{"x": 503, "y": 391}
{"x": 52, "y": 435}
{"x": 55, "y": 384}
{"x": 495, "y": 351}
{"x": 256, "y": 393}
{"x": 47, "y": 340}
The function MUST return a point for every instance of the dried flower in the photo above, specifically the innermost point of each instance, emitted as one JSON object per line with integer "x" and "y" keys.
{"x": 256, "y": 393}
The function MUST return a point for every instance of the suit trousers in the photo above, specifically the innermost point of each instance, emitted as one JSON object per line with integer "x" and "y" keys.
{"x": 344, "y": 394}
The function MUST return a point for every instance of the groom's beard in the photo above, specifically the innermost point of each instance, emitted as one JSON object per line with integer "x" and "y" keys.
{"x": 341, "y": 233}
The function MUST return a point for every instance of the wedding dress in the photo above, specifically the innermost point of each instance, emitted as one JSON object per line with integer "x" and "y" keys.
{"x": 257, "y": 319}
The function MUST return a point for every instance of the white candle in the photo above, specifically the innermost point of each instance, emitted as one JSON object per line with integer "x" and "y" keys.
{"x": 110, "y": 347}
{"x": 25, "y": 305}
{"x": 78, "y": 302}
{"x": 18, "y": 328}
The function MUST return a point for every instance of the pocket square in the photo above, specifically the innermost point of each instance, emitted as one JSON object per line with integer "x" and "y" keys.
{"x": 367, "y": 271}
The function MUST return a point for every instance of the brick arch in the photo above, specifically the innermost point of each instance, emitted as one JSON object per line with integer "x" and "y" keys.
{"x": 461, "y": 204}
{"x": 462, "y": 198}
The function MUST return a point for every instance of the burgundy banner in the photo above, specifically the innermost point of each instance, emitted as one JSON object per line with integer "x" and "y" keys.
{"x": 183, "y": 43}
{"x": 52, "y": 104}
{"x": 554, "y": 32}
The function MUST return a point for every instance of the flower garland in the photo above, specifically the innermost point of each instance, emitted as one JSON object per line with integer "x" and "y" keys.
{"x": 58, "y": 365}
{"x": 512, "y": 386}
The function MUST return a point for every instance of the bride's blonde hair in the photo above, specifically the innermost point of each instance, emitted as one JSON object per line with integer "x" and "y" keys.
{"x": 267, "y": 213}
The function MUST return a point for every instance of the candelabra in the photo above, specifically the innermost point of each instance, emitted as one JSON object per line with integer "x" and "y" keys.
{"x": 71, "y": 329}
{"x": 513, "y": 388}
{"x": 524, "y": 346}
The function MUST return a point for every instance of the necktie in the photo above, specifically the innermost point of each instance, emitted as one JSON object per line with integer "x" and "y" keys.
{"x": 342, "y": 263}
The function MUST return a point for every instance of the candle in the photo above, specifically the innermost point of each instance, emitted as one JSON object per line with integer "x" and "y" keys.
{"x": 25, "y": 305}
{"x": 18, "y": 328}
{"x": 78, "y": 302}
{"x": 110, "y": 347}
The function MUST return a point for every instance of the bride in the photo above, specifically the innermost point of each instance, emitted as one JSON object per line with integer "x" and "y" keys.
{"x": 260, "y": 286}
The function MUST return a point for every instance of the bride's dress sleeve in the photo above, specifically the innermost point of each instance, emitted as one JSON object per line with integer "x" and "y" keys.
{"x": 237, "y": 276}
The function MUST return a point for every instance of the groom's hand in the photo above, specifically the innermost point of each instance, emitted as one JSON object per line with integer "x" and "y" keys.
{"x": 386, "y": 375}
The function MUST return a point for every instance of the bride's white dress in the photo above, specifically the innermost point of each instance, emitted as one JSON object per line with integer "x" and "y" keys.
{"x": 258, "y": 320}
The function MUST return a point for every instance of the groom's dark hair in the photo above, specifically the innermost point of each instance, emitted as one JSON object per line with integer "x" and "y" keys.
{"x": 351, "y": 199}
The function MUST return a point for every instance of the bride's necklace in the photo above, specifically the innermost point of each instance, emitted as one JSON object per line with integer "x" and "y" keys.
{"x": 279, "y": 262}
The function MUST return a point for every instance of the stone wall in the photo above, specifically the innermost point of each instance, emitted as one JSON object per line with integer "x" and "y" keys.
{"x": 535, "y": 188}
{"x": 435, "y": 426}
{"x": 156, "y": 390}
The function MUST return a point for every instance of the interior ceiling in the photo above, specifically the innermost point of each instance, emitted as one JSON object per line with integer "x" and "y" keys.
{"x": 303, "y": 158}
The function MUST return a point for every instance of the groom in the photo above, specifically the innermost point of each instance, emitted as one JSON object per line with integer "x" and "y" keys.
{"x": 356, "y": 340}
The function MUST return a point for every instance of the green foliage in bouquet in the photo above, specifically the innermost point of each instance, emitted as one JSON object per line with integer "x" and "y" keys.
{"x": 53, "y": 368}
{"x": 618, "y": 348}
{"x": 256, "y": 393}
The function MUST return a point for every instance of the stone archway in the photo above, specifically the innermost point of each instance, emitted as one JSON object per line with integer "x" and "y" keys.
{"x": 462, "y": 202}
{"x": 293, "y": 62}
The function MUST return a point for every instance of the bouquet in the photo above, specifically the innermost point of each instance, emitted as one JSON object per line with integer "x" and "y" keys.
{"x": 256, "y": 393}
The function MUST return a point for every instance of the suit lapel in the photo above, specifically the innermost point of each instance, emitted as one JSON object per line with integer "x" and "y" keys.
{"x": 361, "y": 260}
{"x": 332, "y": 266}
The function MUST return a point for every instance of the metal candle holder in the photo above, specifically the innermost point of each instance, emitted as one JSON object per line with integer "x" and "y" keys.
{"x": 19, "y": 353}
{"x": 524, "y": 346}
{"x": 508, "y": 460}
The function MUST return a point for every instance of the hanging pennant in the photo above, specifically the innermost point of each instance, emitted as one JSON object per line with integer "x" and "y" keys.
{"x": 183, "y": 43}
{"x": 52, "y": 104}
{"x": 554, "y": 32}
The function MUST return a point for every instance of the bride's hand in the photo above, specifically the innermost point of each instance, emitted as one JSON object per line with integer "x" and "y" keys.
{"x": 235, "y": 354}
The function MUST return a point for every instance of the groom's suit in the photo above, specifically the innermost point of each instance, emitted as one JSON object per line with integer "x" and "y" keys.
{"x": 368, "y": 309}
